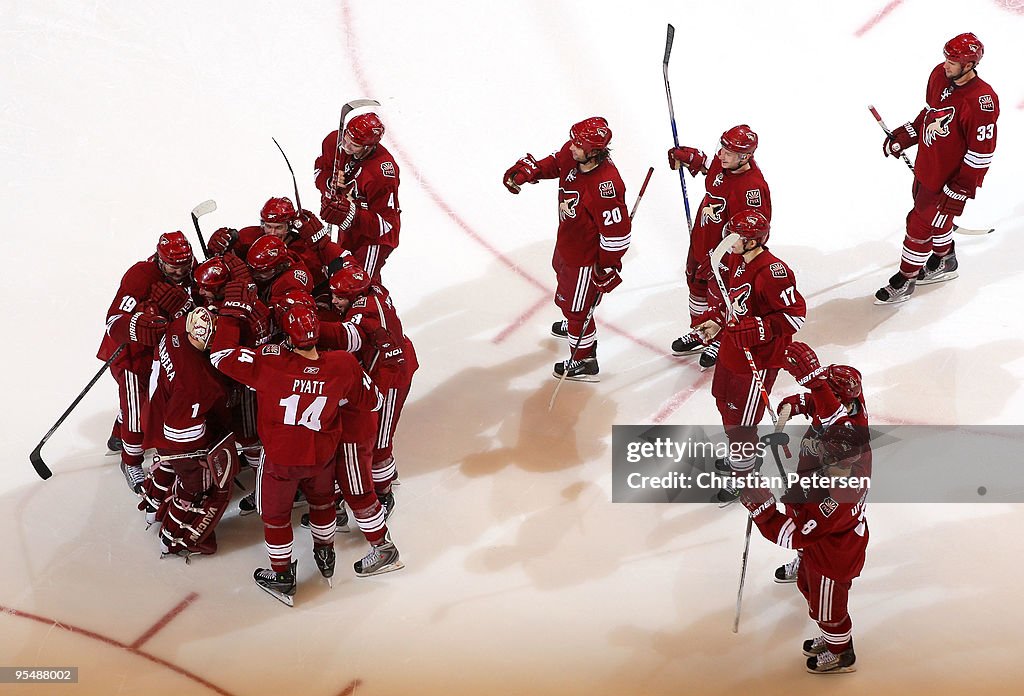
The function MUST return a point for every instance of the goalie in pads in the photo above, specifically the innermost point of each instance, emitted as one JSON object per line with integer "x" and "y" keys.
{"x": 190, "y": 484}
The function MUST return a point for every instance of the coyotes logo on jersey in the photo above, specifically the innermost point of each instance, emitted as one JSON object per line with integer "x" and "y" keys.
{"x": 936, "y": 123}
{"x": 567, "y": 201}
{"x": 738, "y": 297}
{"x": 712, "y": 212}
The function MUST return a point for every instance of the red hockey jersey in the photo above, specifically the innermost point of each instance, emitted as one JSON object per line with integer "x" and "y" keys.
{"x": 593, "y": 222}
{"x": 188, "y": 407}
{"x": 957, "y": 132}
{"x": 132, "y": 295}
{"x": 374, "y": 183}
{"x": 726, "y": 194}
{"x": 298, "y": 400}
{"x": 766, "y": 288}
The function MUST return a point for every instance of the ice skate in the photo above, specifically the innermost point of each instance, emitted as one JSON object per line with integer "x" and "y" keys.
{"x": 939, "y": 269}
{"x": 280, "y": 586}
{"x": 325, "y": 558}
{"x": 134, "y": 476}
{"x": 560, "y": 329}
{"x": 709, "y": 356}
{"x": 828, "y": 662}
{"x": 787, "y": 573}
{"x": 383, "y": 558}
{"x": 342, "y": 521}
{"x": 815, "y": 646}
{"x": 580, "y": 369}
{"x": 114, "y": 445}
{"x": 688, "y": 344}
{"x": 729, "y": 494}
{"x": 247, "y": 505}
{"x": 899, "y": 289}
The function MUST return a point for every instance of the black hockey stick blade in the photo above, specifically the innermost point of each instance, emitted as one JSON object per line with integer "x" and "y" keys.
{"x": 669, "y": 38}
{"x": 37, "y": 462}
{"x": 968, "y": 230}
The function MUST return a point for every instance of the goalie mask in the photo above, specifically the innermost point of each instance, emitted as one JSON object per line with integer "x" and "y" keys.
{"x": 200, "y": 326}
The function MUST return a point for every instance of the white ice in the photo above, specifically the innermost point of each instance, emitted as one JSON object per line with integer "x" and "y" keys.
{"x": 522, "y": 576}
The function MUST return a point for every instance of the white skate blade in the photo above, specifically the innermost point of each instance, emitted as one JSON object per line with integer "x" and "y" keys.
{"x": 279, "y": 596}
{"x": 391, "y": 567}
{"x": 581, "y": 378}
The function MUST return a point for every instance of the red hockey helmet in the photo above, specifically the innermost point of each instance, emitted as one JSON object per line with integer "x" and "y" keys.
{"x": 365, "y": 129}
{"x": 740, "y": 139}
{"x": 174, "y": 249}
{"x": 591, "y": 134}
{"x": 302, "y": 326}
{"x": 266, "y": 254}
{"x": 212, "y": 275}
{"x": 278, "y": 210}
{"x": 964, "y": 48}
{"x": 845, "y": 382}
{"x": 291, "y": 298}
{"x": 842, "y": 446}
{"x": 350, "y": 281}
{"x": 748, "y": 224}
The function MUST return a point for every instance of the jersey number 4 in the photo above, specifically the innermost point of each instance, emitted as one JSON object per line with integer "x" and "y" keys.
{"x": 310, "y": 417}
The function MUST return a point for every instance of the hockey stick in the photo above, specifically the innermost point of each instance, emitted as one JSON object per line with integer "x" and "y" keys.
{"x": 597, "y": 299}
{"x": 906, "y": 160}
{"x": 35, "y": 457}
{"x": 200, "y": 210}
{"x": 716, "y": 259}
{"x": 295, "y": 184}
{"x": 773, "y": 440}
{"x": 881, "y": 124}
{"x": 346, "y": 109}
{"x": 669, "y": 36}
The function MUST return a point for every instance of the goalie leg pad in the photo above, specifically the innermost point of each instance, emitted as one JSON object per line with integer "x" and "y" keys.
{"x": 155, "y": 491}
{"x": 191, "y": 519}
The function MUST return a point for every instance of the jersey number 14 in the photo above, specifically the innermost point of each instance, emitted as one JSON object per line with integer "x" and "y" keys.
{"x": 310, "y": 417}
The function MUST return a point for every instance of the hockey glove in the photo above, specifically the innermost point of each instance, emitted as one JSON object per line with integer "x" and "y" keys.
{"x": 689, "y": 157}
{"x": 239, "y": 269}
{"x": 146, "y": 328}
{"x": 606, "y": 279}
{"x": 952, "y": 201}
{"x": 172, "y": 299}
{"x": 309, "y": 228}
{"x": 221, "y": 241}
{"x": 903, "y": 137}
{"x": 239, "y": 297}
{"x": 802, "y": 363}
{"x": 522, "y": 172}
{"x": 750, "y": 331}
{"x": 392, "y": 357}
{"x": 340, "y": 211}
{"x": 760, "y": 502}
{"x": 797, "y": 404}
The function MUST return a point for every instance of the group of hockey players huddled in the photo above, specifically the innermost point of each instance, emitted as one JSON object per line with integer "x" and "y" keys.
{"x": 745, "y": 308}
{"x": 281, "y": 351}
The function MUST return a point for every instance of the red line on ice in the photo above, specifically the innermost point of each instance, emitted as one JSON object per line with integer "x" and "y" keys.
{"x": 117, "y": 644}
{"x": 165, "y": 619}
{"x": 879, "y": 16}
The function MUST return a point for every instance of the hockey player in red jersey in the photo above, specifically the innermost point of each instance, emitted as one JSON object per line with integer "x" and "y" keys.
{"x": 593, "y": 234}
{"x": 300, "y": 392}
{"x": 151, "y": 291}
{"x": 371, "y": 329}
{"x": 827, "y": 521}
{"x": 838, "y": 384}
{"x": 358, "y": 179}
{"x": 275, "y": 269}
{"x": 301, "y": 231}
{"x": 768, "y": 310}
{"x": 956, "y": 138}
{"x": 733, "y": 183}
{"x": 187, "y": 423}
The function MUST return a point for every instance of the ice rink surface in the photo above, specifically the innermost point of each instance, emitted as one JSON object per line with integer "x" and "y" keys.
{"x": 522, "y": 577}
